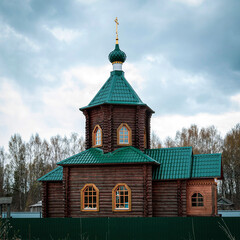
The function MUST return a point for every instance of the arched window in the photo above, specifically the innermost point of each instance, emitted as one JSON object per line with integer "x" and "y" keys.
{"x": 197, "y": 200}
{"x": 121, "y": 197}
{"x": 124, "y": 135}
{"x": 90, "y": 198}
{"x": 97, "y": 136}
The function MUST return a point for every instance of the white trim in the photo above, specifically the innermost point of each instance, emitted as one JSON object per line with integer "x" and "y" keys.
{"x": 117, "y": 66}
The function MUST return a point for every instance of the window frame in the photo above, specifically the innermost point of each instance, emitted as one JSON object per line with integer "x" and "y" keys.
{"x": 197, "y": 200}
{"x": 83, "y": 195}
{"x": 94, "y": 136}
{"x": 114, "y": 209}
{"x": 129, "y": 135}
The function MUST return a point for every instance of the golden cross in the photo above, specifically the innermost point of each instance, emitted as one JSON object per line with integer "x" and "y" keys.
{"x": 116, "y": 21}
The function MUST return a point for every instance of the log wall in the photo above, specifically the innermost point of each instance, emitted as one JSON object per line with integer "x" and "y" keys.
{"x": 53, "y": 203}
{"x": 169, "y": 198}
{"x": 109, "y": 118}
{"x": 137, "y": 177}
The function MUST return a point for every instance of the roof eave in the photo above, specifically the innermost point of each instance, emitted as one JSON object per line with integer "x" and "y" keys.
{"x": 101, "y": 164}
{"x": 117, "y": 103}
{"x": 50, "y": 180}
{"x": 206, "y": 177}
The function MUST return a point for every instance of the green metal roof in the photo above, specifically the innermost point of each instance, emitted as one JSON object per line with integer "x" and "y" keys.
{"x": 55, "y": 175}
{"x": 180, "y": 163}
{"x": 116, "y": 90}
{"x": 96, "y": 156}
{"x": 175, "y": 163}
{"x": 206, "y": 165}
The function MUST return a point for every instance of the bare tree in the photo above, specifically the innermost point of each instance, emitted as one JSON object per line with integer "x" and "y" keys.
{"x": 17, "y": 150}
{"x": 2, "y": 160}
{"x": 231, "y": 165}
{"x": 205, "y": 140}
{"x": 155, "y": 141}
{"x": 8, "y": 180}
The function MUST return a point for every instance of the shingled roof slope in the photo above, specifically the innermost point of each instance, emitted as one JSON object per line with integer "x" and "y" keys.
{"x": 55, "y": 175}
{"x": 206, "y": 165}
{"x": 97, "y": 156}
{"x": 175, "y": 163}
{"x": 116, "y": 90}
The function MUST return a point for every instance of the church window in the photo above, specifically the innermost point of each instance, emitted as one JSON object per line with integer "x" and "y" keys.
{"x": 97, "y": 136}
{"x": 197, "y": 200}
{"x": 124, "y": 135}
{"x": 90, "y": 198}
{"x": 121, "y": 195}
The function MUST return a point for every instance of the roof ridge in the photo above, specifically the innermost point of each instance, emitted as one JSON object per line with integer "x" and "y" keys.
{"x": 87, "y": 150}
{"x": 100, "y": 90}
{"x": 166, "y": 148}
{"x": 132, "y": 90}
{"x": 207, "y": 154}
{"x": 143, "y": 154}
{"x": 112, "y": 87}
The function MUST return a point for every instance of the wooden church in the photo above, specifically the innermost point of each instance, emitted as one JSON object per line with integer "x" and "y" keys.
{"x": 118, "y": 175}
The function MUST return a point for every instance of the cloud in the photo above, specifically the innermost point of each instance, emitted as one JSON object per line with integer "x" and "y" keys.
{"x": 52, "y": 110}
{"x": 16, "y": 116}
{"x": 183, "y": 58}
{"x": 169, "y": 89}
{"x": 236, "y": 99}
{"x": 190, "y": 2}
{"x": 168, "y": 125}
{"x": 8, "y": 33}
{"x": 63, "y": 34}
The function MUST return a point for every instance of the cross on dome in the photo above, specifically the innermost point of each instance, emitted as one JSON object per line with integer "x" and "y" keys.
{"x": 117, "y": 57}
{"x": 117, "y": 23}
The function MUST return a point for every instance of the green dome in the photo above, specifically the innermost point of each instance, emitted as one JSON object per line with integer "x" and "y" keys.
{"x": 117, "y": 55}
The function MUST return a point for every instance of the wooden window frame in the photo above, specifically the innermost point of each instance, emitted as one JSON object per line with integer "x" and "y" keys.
{"x": 197, "y": 200}
{"x": 83, "y": 195}
{"x": 94, "y": 136}
{"x": 114, "y": 209}
{"x": 129, "y": 135}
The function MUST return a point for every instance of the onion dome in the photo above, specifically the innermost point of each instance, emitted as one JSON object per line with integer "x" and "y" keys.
{"x": 117, "y": 55}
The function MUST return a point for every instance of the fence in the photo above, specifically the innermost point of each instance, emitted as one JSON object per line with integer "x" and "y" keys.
{"x": 185, "y": 228}
{"x": 23, "y": 215}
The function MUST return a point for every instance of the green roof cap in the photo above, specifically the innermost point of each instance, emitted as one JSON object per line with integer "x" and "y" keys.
{"x": 96, "y": 156}
{"x": 175, "y": 163}
{"x": 206, "y": 165}
{"x": 117, "y": 55}
{"x": 55, "y": 175}
{"x": 116, "y": 90}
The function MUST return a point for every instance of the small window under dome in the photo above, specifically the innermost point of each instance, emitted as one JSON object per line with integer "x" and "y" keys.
{"x": 124, "y": 135}
{"x": 97, "y": 136}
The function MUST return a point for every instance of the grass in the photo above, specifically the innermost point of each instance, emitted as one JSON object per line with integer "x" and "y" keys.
{"x": 226, "y": 230}
{"x": 5, "y": 229}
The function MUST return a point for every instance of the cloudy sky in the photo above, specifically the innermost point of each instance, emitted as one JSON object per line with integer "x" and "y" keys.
{"x": 183, "y": 60}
